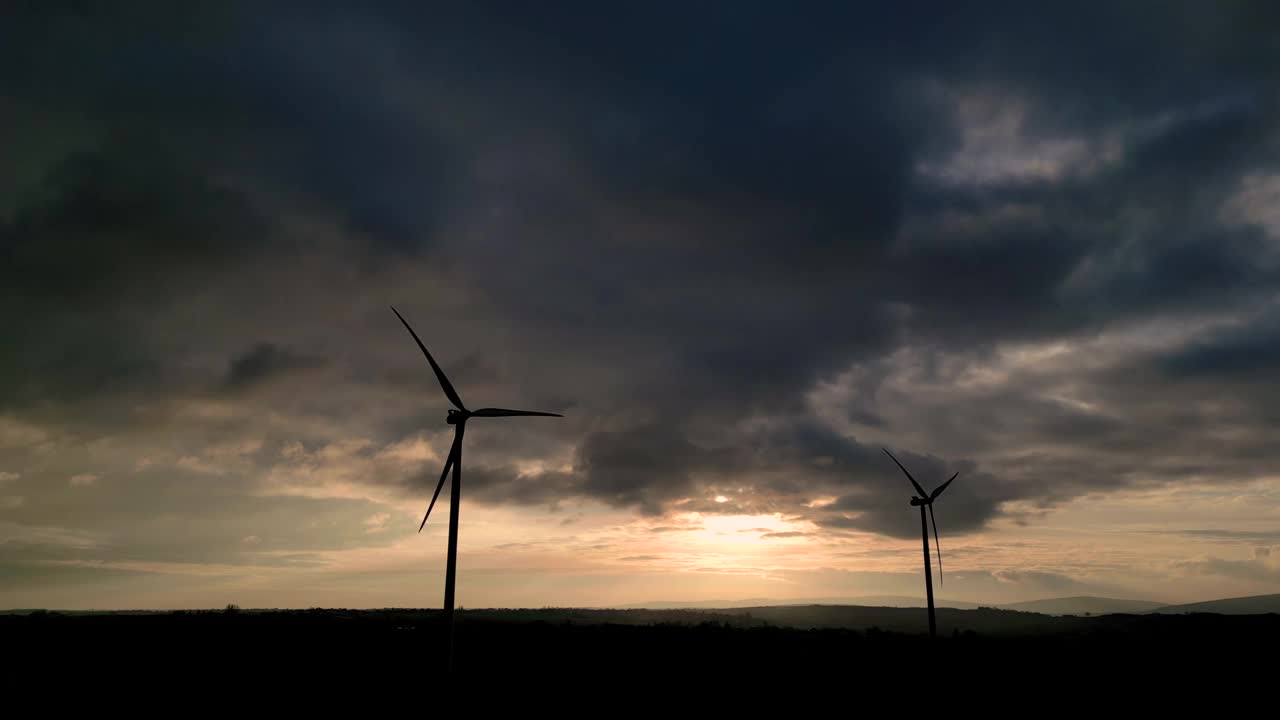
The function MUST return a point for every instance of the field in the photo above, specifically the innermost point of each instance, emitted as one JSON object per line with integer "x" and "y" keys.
{"x": 392, "y": 644}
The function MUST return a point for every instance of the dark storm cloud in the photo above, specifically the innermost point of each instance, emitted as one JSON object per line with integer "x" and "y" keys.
{"x": 103, "y": 239}
{"x": 715, "y": 131}
{"x": 507, "y": 484}
{"x": 1073, "y": 272}
{"x": 244, "y": 90}
{"x": 644, "y": 467}
{"x": 264, "y": 361}
{"x": 777, "y": 471}
{"x": 119, "y": 224}
{"x": 1241, "y": 351}
{"x": 670, "y": 223}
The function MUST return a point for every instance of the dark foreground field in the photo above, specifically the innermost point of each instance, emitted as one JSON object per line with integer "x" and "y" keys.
{"x": 671, "y": 645}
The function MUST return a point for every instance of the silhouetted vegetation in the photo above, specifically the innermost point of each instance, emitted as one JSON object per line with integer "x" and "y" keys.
{"x": 397, "y": 643}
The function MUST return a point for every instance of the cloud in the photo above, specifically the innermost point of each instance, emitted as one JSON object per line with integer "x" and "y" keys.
{"x": 738, "y": 273}
{"x": 9, "y": 476}
{"x": 377, "y": 522}
{"x": 82, "y": 479}
{"x": 1249, "y": 350}
{"x": 265, "y": 361}
{"x": 1052, "y": 582}
{"x": 1225, "y": 535}
{"x": 643, "y": 467}
{"x": 1261, "y": 567}
{"x": 17, "y": 434}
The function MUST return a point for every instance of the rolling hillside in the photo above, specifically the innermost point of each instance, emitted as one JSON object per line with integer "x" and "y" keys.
{"x": 1253, "y": 605}
{"x": 1084, "y": 605}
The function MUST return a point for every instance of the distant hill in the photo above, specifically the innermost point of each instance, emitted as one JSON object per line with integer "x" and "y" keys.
{"x": 898, "y": 619}
{"x": 893, "y": 601}
{"x": 1051, "y": 606}
{"x": 1253, "y": 605}
{"x": 884, "y": 611}
{"x": 988, "y": 621}
{"x": 1083, "y": 605}
{"x": 985, "y": 621}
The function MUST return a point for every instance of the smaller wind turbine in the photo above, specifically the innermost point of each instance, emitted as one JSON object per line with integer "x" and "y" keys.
{"x": 458, "y": 418}
{"x": 925, "y": 500}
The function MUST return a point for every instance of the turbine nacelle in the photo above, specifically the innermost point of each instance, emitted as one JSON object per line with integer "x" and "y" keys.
{"x": 458, "y": 416}
{"x": 919, "y": 501}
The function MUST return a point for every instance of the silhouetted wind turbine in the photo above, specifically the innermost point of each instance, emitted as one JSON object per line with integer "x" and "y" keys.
{"x": 925, "y": 500}
{"x": 458, "y": 418}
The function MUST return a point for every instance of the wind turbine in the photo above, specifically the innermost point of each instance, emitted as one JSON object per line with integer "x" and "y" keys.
{"x": 925, "y": 500}
{"x": 458, "y": 418}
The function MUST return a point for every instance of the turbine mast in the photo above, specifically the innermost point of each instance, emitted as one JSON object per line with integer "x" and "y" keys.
{"x": 451, "y": 566}
{"x": 458, "y": 418}
{"x": 928, "y": 573}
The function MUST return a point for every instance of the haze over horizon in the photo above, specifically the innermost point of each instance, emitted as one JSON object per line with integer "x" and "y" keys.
{"x": 740, "y": 247}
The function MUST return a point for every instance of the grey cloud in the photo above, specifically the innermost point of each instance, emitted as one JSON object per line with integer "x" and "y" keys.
{"x": 872, "y": 492}
{"x": 1225, "y": 535}
{"x": 206, "y": 518}
{"x": 652, "y": 469}
{"x": 671, "y": 240}
{"x": 1044, "y": 581}
{"x": 1241, "y": 352}
{"x": 643, "y": 467}
{"x": 265, "y": 361}
{"x": 506, "y": 484}
{"x": 1258, "y": 568}
{"x": 107, "y": 237}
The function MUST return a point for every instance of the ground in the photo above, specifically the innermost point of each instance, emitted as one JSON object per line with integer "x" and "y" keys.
{"x": 670, "y": 646}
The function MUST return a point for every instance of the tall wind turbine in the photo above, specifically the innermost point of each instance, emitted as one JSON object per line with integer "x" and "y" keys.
{"x": 925, "y": 500}
{"x": 458, "y": 418}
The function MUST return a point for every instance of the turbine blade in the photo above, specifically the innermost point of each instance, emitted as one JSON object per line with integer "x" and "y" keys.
{"x": 457, "y": 459}
{"x": 938, "y": 491}
{"x": 462, "y": 429}
{"x": 915, "y": 484}
{"x": 453, "y": 457}
{"x": 444, "y": 381}
{"x": 502, "y": 412}
{"x": 936, "y": 543}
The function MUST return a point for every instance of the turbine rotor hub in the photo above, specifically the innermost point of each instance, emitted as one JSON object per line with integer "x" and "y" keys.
{"x": 456, "y": 417}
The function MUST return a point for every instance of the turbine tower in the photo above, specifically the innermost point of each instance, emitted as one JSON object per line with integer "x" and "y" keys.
{"x": 458, "y": 418}
{"x": 925, "y": 501}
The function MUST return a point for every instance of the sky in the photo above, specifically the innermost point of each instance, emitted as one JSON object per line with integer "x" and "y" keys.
{"x": 741, "y": 247}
